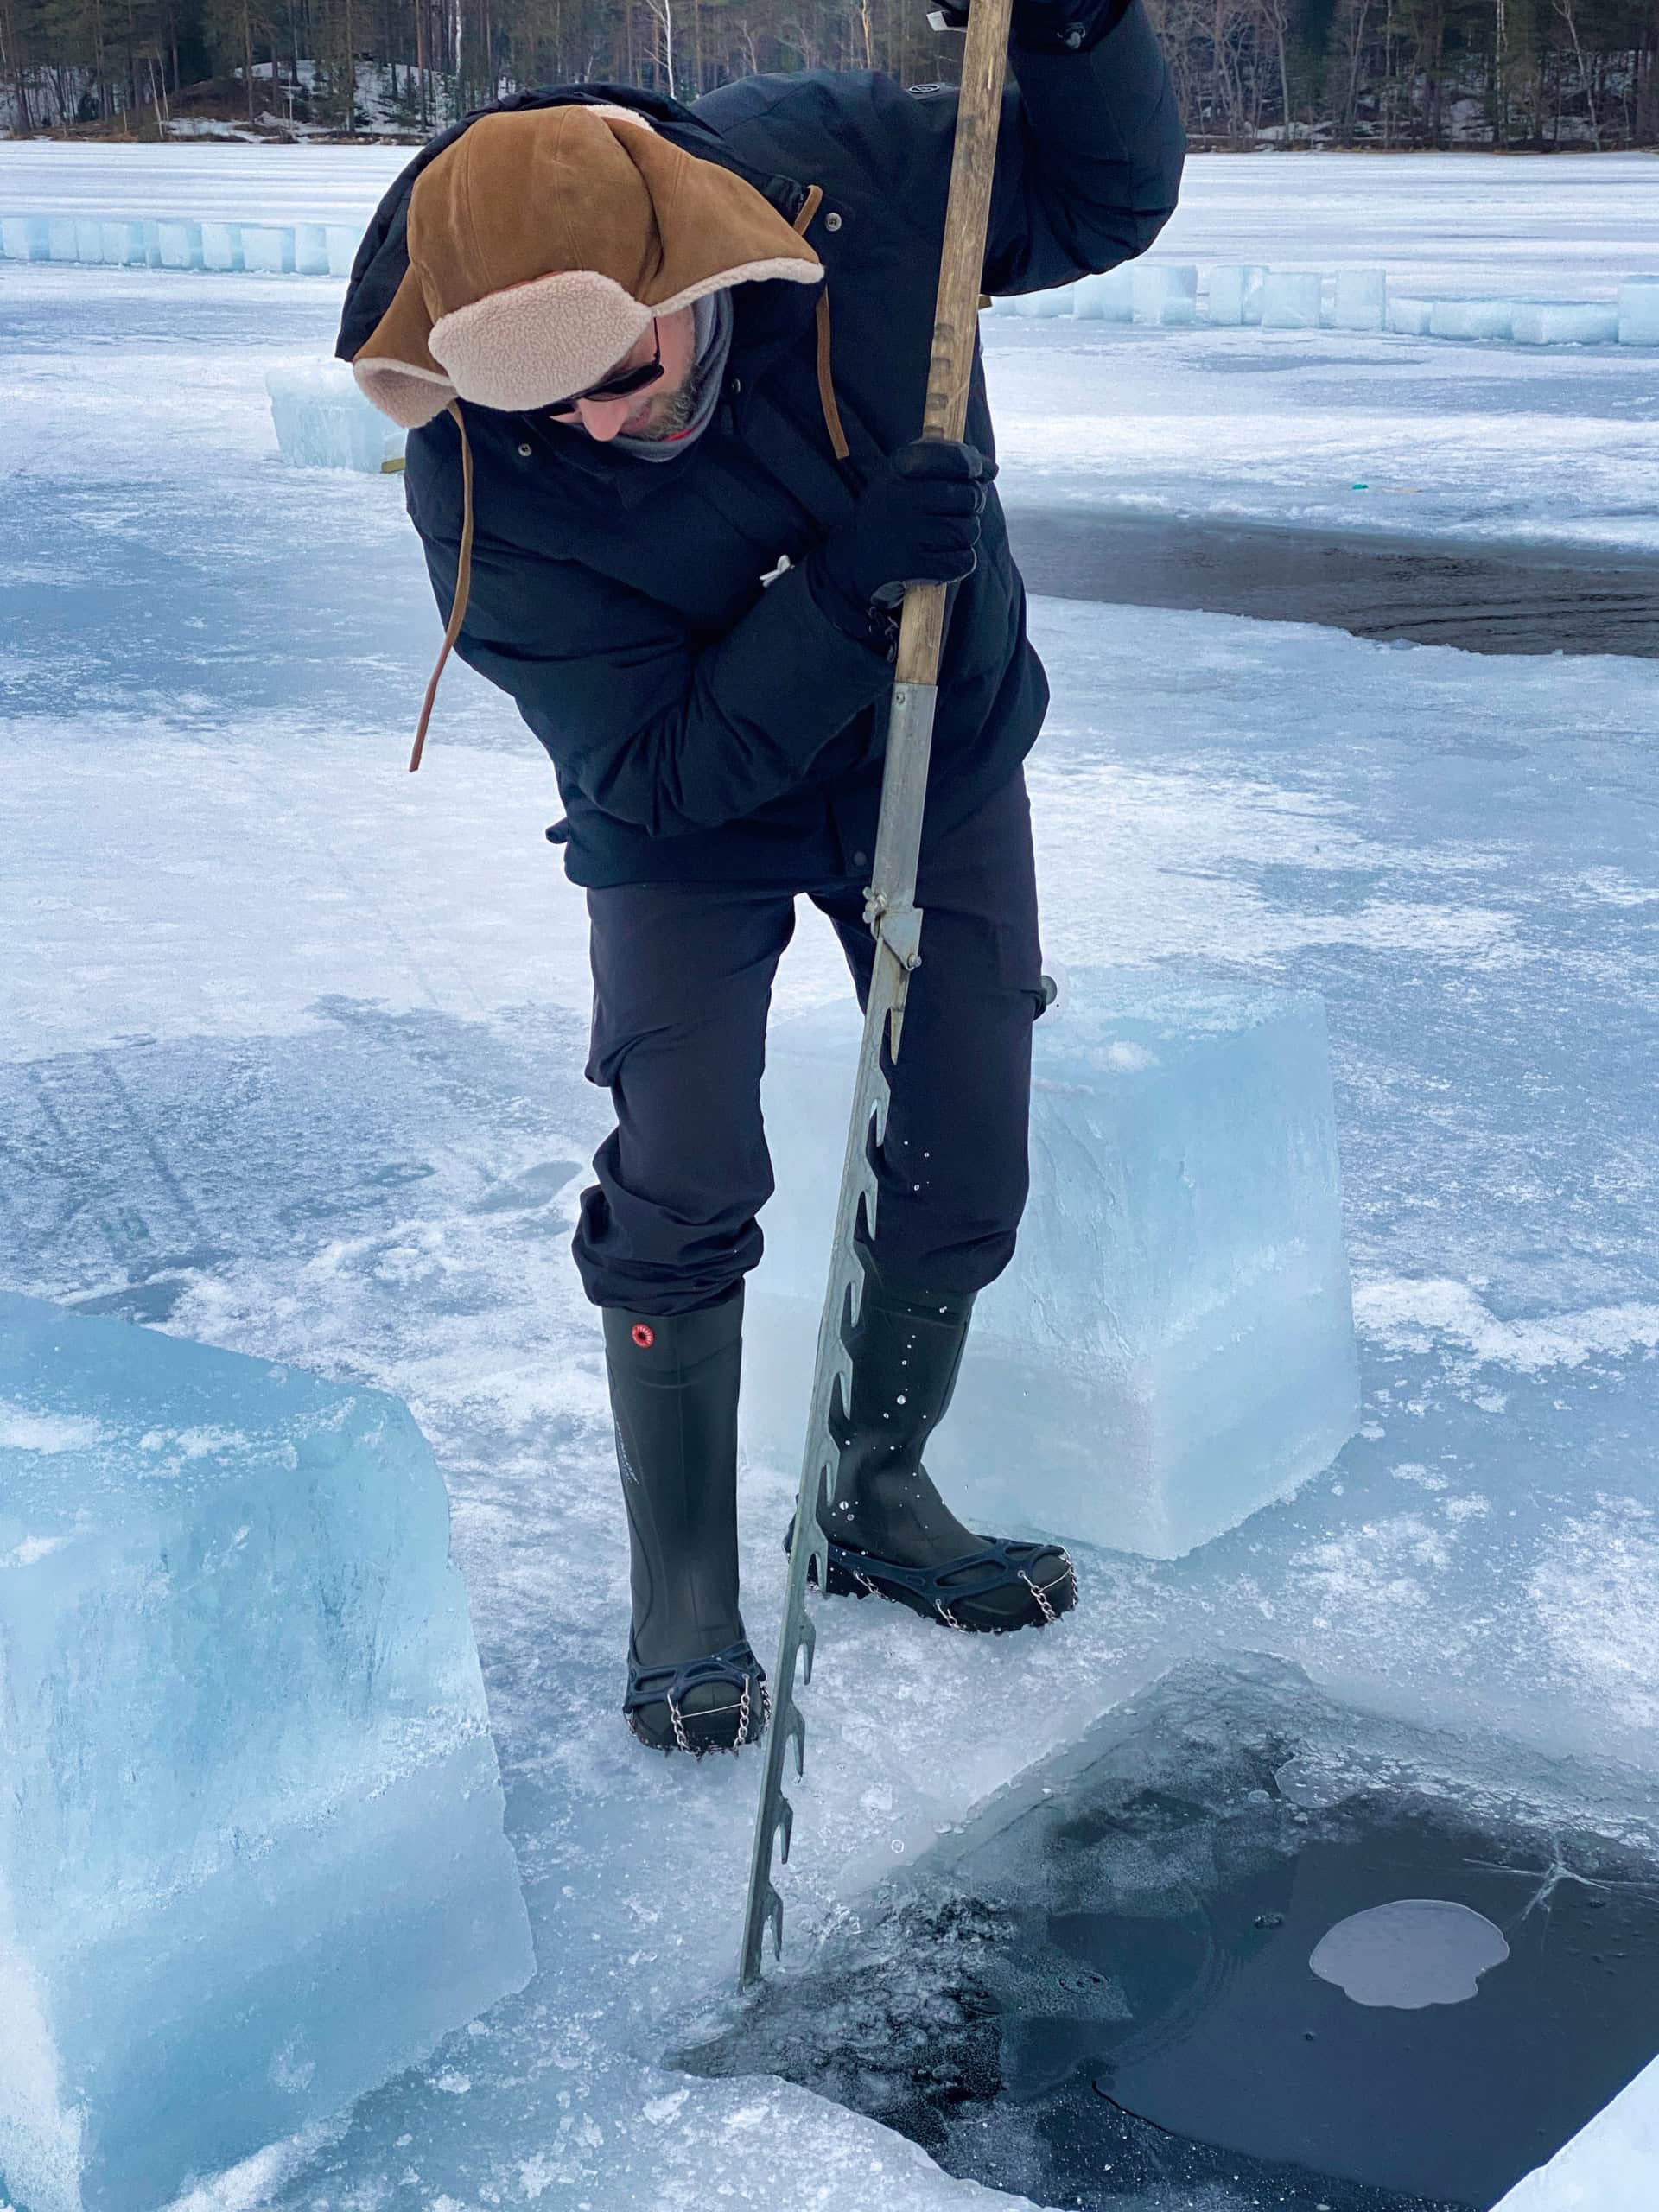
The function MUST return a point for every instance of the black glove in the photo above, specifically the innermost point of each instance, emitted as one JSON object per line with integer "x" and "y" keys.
{"x": 1046, "y": 26}
{"x": 917, "y": 523}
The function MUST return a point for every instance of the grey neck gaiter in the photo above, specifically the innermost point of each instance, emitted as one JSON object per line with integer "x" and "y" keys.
{"x": 712, "y": 330}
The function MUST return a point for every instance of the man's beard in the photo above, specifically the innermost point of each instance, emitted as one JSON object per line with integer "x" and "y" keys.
{"x": 676, "y": 413}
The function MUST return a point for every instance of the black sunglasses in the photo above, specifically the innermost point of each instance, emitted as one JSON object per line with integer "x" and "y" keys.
{"x": 621, "y": 386}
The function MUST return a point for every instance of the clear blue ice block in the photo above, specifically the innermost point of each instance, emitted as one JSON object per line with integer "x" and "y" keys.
{"x": 251, "y": 1853}
{"x": 1173, "y": 1346}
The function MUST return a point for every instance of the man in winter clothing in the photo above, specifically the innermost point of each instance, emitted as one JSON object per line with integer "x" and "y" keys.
{"x": 669, "y": 505}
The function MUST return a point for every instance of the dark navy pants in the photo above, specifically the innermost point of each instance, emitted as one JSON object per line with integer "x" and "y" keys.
{"x": 682, "y": 976}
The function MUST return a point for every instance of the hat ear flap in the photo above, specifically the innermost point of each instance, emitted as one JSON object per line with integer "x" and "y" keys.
{"x": 395, "y": 368}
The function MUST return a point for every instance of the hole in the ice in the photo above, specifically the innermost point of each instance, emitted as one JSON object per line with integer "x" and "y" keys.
{"x": 1154, "y": 1975}
{"x": 1416, "y": 1951}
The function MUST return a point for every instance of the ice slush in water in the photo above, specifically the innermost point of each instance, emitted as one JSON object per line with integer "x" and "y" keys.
{"x": 252, "y": 1853}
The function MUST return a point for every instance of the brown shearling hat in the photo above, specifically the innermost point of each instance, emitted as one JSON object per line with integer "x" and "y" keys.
{"x": 542, "y": 243}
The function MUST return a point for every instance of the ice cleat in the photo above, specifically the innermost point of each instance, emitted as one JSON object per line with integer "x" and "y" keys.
{"x": 716, "y": 1703}
{"x": 694, "y": 1684}
{"x": 891, "y": 1535}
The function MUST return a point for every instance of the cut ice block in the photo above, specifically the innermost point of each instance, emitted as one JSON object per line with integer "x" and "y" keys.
{"x": 1470, "y": 318}
{"x": 1173, "y": 1344}
{"x": 323, "y": 421}
{"x": 1290, "y": 299}
{"x": 1638, "y": 311}
{"x": 1042, "y": 307}
{"x": 179, "y": 244}
{"x": 310, "y": 250}
{"x": 251, "y": 1855}
{"x": 153, "y": 242}
{"x": 62, "y": 243}
{"x": 1609, "y": 2166}
{"x": 1165, "y": 292}
{"x": 1564, "y": 322}
{"x": 1362, "y": 299}
{"x": 1235, "y": 293}
{"x": 268, "y": 247}
{"x": 89, "y": 240}
{"x": 23, "y": 237}
{"x": 122, "y": 245}
{"x": 221, "y": 246}
{"x": 1409, "y": 317}
{"x": 343, "y": 243}
{"x": 1109, "y": 297}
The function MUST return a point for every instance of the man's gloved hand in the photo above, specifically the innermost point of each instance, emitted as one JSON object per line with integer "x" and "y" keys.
{"x": 1046, "y": 26}
{"x": 917, "y": 523}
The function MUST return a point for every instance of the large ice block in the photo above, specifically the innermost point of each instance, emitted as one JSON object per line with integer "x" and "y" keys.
{"x": 1362, "y": 299}
{"x": 221, "y": 246}
{"x": 1234, "y": 294}
{"x": 1173, "y": 1344}
{"x": 343, "y": 243}
{"x": 1609, "y": 2166}
{"x": 269, "y": 248}
{"x": 310, "y": 249}
{"x": 252, "y": 1854}
{"x": 1638, "y": 311}
{"x": 1165, "y": 292}
{"x": 25, "y": 238}
{"x": 322, "y": 421}
{"x": 1290, "y": 299}
{"x": 1409, "y": 317}
{"x": 1470, "y": 318}
{"x": 1043, "y": 306}
{"x": 1564, "y": 322}
{"x": 1107, "y": 297}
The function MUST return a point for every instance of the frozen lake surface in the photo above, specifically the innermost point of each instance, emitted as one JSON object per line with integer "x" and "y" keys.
{"x": 289, "y": 1061}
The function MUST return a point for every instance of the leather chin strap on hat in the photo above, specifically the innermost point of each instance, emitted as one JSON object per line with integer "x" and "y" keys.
{"x": 463, "y": 588}
{"x": 838, "y": 445}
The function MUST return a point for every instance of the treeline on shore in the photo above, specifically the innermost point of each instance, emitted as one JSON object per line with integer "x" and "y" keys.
{"x": 1390, "y": 74}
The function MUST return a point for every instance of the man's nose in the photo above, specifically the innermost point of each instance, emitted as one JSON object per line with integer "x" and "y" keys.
{"x": 603, "y": 418}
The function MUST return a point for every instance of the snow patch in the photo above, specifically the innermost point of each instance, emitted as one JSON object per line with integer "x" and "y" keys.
{"x": 1413, "y": 1316}
{"x": 23, "y": 1431}
{"x": 1596, "y": 1590}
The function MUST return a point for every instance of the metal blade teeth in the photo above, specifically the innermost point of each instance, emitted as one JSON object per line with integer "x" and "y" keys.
{"x": 774, "y": 1920}
{"x": 795, "y": 1731}
{"x": 783, "y": 1830}
{"x": 807, "y": 1644}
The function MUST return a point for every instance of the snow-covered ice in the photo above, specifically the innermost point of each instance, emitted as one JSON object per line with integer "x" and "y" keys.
{"x": 290, "y": 1044}
{"x": 251, "y": 1855}
{"x": 1173, "y": 1346}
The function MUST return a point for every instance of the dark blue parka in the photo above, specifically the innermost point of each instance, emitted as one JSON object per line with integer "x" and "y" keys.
{"x": 706, "y": 728}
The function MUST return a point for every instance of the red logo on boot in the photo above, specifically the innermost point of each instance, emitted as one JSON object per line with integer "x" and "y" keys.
{"x": 643, "y": 1337}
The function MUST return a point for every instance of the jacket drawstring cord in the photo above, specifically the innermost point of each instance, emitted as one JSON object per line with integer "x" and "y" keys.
{"x": 463, "y": 586}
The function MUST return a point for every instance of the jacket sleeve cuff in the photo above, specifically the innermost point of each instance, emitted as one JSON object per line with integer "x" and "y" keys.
{"x": 874, "y": 627}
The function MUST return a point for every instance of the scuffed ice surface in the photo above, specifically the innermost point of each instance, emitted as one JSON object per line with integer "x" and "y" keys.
{"x": 289, "y": 1058}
